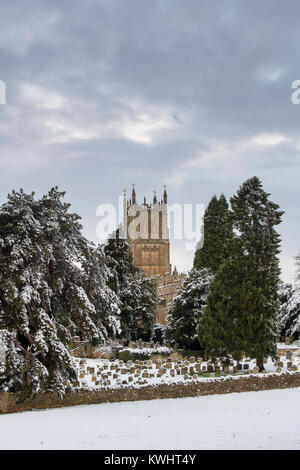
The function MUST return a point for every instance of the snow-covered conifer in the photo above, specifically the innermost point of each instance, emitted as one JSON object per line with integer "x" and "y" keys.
{"x": 289, "y": 311}
{"x": 48, "y": 292}
{"x": 136, "y": 292}
{"x": 187, "y": 308}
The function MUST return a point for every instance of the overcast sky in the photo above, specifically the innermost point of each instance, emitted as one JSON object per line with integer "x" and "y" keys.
{"x": 193, "y": 94}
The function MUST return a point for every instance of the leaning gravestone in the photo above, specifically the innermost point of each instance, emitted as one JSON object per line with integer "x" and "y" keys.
{"x": 288, "y": 354}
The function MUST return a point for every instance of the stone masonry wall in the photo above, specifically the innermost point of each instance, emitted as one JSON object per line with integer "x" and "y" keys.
{"x": 150, "y": 392}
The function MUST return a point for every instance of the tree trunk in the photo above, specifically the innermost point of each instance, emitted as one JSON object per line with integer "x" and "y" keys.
{"x": 260, "y": 364}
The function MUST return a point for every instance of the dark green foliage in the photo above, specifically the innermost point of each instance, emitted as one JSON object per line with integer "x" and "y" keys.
{"x": 241, "y": 312}
{"x": 126, "y": 355}
{"x": 158, "y": 335}
{"x": 187, "y": 308}
{"x": 217, "y": 234}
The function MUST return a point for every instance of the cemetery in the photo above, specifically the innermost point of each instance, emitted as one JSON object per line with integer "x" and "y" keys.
{"x": 164, "y": 373}
{"x": 98, "y": 373}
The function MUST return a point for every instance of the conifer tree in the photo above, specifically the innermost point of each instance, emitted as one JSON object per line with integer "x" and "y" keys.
{"x": 46, "y": 295}
{"x": 187, "y": 308}
{"x": 136, "y": 292}
{"x": 141, "y": 302}
{"x": 217, "y": 234}
{"x": 289, "y": 311}
{"x": 241, "y": 312}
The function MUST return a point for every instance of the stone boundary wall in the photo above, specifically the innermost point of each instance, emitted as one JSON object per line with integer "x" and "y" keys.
{"x": 212, "y": 386}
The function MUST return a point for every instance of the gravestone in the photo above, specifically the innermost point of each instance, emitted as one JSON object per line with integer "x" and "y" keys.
{"x": 288, "y": 354}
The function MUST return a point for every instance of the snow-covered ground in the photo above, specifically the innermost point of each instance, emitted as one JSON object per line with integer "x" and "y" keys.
{"x": 253, "y": 420}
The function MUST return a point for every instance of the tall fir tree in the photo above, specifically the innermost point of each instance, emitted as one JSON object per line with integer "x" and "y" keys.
{"x": 241, "y": 312}
{"x": 44, "y": 294}
{"x": 187, "y": 308}
{"x": 217, "y": 235}
{"x": 136, "y": 292}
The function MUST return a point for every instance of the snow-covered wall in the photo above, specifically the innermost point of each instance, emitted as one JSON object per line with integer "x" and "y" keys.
{"x": 191, "y": 388}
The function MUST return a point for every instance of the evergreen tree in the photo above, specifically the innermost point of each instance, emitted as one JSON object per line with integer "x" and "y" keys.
{"x": 137, "y": 293}
{"x": 44, "y": 297}
{"x": 187, "y": 308}
{"x": 241, "y": 313}
{"x": 139, "y": 302}
{"x": 289, "y": 311}
{"x": 217, "y": 234}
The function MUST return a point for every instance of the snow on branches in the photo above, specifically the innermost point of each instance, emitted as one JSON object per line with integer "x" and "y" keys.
{"x": 53, "y": 285}
{"x": 289, "y": 311}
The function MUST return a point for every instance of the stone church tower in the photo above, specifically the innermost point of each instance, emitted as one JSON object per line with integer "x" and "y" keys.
{"x": 146, "y": 229}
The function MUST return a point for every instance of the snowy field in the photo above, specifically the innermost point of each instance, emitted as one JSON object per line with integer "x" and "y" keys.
{"x": 253, "y": 420}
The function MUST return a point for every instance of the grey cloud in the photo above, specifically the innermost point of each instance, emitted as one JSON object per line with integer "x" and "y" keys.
{"x": 150, "y": 92}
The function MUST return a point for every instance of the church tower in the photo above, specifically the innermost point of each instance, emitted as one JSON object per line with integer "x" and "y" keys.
{"x": 146, "y": 229}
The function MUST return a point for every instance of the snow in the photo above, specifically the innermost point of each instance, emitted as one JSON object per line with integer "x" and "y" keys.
{"x": 294, "y": 346}
{"x": 148, "y": 351}
{"x": 252, "y": 420}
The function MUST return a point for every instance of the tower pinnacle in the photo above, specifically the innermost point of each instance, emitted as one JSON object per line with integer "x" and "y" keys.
{"x": 154, "y": 197}
{"x": 165, "y": 194}
{"x": 133, "y": 194}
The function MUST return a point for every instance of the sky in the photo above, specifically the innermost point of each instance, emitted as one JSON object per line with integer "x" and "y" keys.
{"x": 195, "y": 95}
